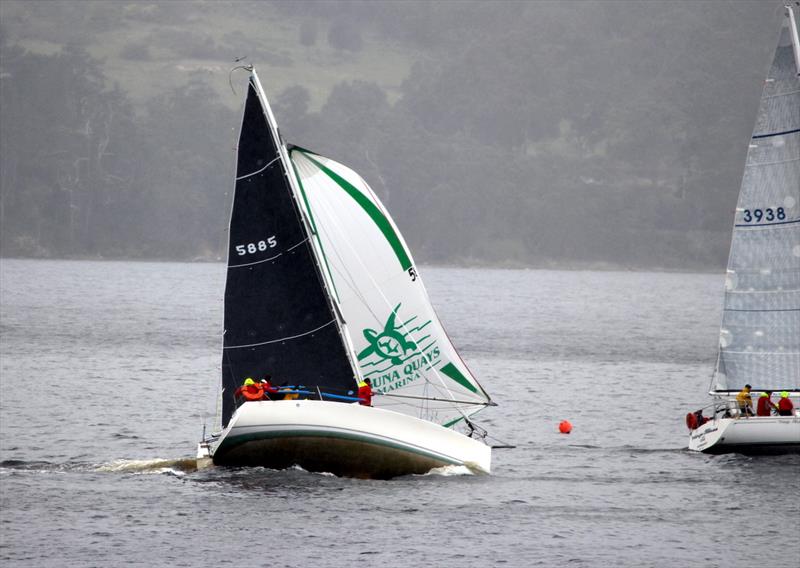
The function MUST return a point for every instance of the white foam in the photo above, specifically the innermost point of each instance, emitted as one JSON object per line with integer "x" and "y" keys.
{"x": 173, "y": 466}
{"x": 451, "y": 470}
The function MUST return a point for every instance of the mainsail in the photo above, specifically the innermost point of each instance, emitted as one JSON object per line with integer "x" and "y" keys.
{"x": 760, "y": 332}
{"x": 397, "y": 339}
{"x": 279, "y": 319}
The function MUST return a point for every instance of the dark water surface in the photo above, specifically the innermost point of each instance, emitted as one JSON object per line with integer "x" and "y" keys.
{"x": 109, "y": 370}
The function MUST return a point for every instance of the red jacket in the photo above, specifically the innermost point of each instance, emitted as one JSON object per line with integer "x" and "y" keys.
{"x": 365, "y": 394}
{"x": 763, "y": 406}
{"x": 785, "y": 406}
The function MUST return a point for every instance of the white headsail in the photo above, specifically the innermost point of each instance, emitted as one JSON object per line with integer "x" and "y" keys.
{"x": 397, "y": 339}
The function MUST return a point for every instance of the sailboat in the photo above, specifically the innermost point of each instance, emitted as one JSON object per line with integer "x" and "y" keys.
{"x": 760, "y": 333}
{"x": 322, "y": 294}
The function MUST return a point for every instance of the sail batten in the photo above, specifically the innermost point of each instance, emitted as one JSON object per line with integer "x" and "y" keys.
{"x": 760, "y": 331}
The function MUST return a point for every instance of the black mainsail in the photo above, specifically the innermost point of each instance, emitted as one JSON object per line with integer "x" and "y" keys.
{"x": 279, "y": 319}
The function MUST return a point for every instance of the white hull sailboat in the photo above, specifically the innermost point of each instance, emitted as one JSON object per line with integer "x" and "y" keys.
{"x": 750, "y": 435}
{"x": 322, "y": 294}
{"x": 344, "y": 439}
{"x": 760, "y": 332}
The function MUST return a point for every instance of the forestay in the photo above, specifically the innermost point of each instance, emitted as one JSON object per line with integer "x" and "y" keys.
{"x": 760, "y": 332}
{"x": 397, "y": 339}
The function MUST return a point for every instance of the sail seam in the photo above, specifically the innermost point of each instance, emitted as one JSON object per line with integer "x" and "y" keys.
{"x": 259, "y": 171}
{"x": 768, "y": 292}
{"x": 282, "y": 338}
{"x": 756, "y": 136}
{"x": 256, "y": 262}
{"x": 727, "y": 352}
{"x": 764, "y": 225}
{"x": 298, "y": 244}
{"x": 774, "y": 163}
{"x": 781, "y": 94}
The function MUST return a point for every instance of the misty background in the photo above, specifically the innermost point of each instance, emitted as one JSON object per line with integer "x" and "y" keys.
{"x": 585, "y": 134}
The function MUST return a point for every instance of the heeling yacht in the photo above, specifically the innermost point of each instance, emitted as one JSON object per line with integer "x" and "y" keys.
{"x": 322, "y": 293}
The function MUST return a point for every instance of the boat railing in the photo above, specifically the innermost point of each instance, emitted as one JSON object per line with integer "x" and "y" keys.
{"x": 292, "y": 392}
{"x": 729, "y": 408}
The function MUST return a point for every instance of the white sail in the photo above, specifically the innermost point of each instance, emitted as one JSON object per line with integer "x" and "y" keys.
{"x": 397, "y": 339}
{"x": 760, "y": 333}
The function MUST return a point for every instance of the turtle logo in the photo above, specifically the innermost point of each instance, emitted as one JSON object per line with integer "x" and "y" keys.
{"x": 390, "y": 344}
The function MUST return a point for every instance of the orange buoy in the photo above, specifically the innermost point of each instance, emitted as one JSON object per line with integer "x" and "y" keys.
{"x": 565, "y": 427}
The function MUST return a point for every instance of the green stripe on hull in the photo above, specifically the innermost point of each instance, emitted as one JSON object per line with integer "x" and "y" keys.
{"x": 232, "y": 442}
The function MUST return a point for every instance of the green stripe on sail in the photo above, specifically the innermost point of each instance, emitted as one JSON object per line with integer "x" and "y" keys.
{"x": 372, "y": 210}
{"x": 451, "y": 371}
{"x": 314, "y": 229}
{"x": 452, "y": 422}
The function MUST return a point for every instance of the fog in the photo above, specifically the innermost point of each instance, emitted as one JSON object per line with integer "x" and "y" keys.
{"x": 565, "y": 134}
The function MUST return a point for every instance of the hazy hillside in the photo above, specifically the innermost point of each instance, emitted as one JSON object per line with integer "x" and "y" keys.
{"x": 542, "y": 133}
{"x": 153, "y": 47}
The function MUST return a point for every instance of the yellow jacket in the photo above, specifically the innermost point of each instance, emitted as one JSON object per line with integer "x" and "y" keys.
{"x": 744, "y": 399}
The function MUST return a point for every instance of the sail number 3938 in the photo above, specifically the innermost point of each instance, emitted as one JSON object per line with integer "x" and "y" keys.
{"x": 768, "y": 214}
{"x": 260, "y": 246}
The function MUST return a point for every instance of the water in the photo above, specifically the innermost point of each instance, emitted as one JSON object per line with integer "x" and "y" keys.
{"x": 109, "y": 371}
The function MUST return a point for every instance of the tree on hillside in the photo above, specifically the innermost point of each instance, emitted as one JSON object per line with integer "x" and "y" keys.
{"x": 192, "y": 145}
{"x": 66, "y": 149}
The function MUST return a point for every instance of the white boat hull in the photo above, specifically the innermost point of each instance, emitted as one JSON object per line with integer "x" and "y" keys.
{"x": 751, "y": 435}
{"x": 344, "y": 439}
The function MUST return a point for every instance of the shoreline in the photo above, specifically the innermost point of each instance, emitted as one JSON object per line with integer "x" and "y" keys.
{"x": 593, "y": 266}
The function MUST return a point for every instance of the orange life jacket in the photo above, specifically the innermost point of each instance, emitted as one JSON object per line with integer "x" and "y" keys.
{"x": 253, "y": 392}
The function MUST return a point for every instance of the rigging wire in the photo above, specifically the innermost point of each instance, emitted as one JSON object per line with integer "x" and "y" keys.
{"x": 246, "y": 67}
{"x": 451, "y": 401}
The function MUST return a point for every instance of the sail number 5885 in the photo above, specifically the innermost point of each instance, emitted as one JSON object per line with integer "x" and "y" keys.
{"x": 260, "y": 246}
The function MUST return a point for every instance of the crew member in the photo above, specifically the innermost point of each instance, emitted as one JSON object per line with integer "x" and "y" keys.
{"x": 267, "y": 388}
{"x": 765, "y": 405}
{"x": 745, "y": 401}
{"x": 365, "y": 392}
{"x": 785, "y": 405}
{"x": 250, "y": 390}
